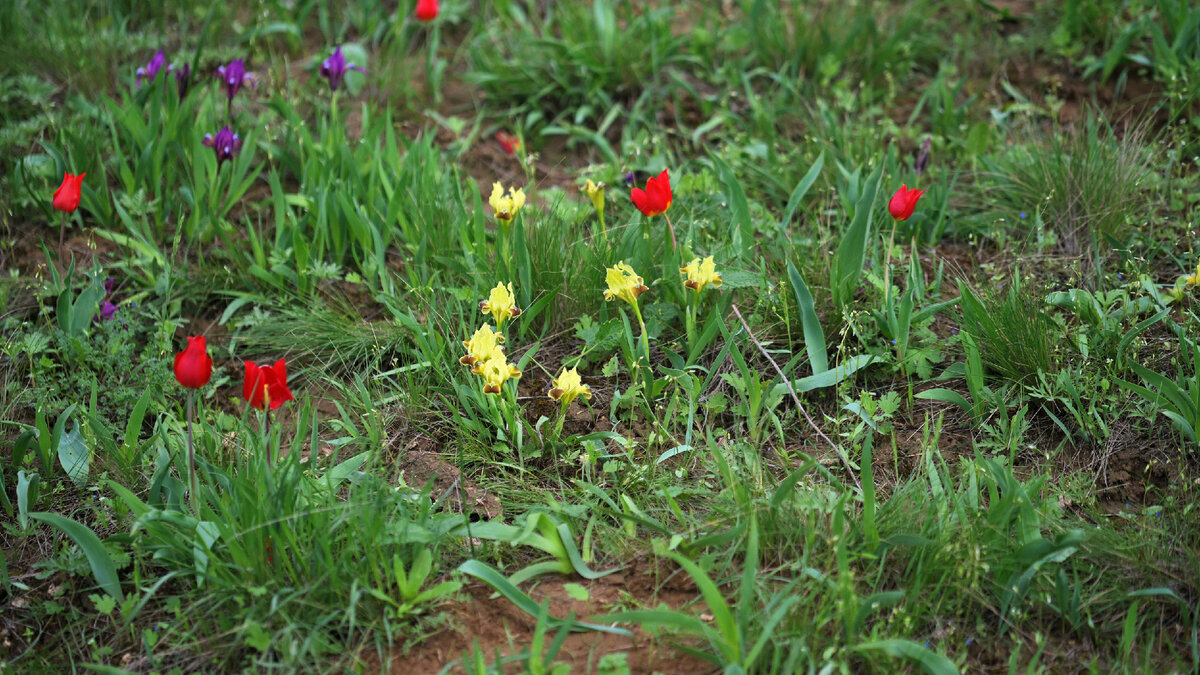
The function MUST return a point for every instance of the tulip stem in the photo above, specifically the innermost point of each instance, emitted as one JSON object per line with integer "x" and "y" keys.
{"x": 887, "y": 268}
{"x": 671, "y": 229}
{"x": 267, "y": 435}
{"x": 62, "y": 231}
{"x": 192, "y": 480}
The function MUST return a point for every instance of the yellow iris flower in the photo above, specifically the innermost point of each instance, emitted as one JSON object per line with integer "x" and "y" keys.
{"x": 501, "y": 304}
{"x": 496, "y": 370}
{"x": 701, "y": 273}
{"x": 596, "y": 194}
{"x": 506, "y": 207}
{"x": 481, "y": 346}
{"x": 624, "y": 283}
{"x": 568, "y": 386}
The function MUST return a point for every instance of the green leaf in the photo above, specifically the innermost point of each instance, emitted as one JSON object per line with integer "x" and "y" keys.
{"x": 525, "y": 603}
{"x": 945, "y": 396}
{"x": 828, "y": 378}
{"x": 74, "y": 457}
{"x": 103, "y": 569}
{"x": 27, "y": 494}
{"x": 576, "y": 592}
{"x": 814, "y": 335}
{"x": 930, "y": 661}
{"x": 846, "y": 270}
{"x": 801, "y": 189}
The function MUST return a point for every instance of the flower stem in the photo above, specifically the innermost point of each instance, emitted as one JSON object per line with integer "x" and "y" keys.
{"x": 192, "y": 479}
{"x": 690, "y": 316}
{"x": 267, "y": 435}
{"x": 642, "y": 325}
{"x": 671, "y": 229}
{"x": 62, "y": 231}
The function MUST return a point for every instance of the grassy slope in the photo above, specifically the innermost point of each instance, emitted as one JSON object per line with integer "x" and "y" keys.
{"x": 866, "y": 521}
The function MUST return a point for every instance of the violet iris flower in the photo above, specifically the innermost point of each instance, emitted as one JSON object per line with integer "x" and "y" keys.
{"x": 107, "y": 309}
{"x": 226, "y": 144}
{"x": 335, "y": 68}
{"x": 151, "y": 69}
{"x": 234, "y": 76}
{"x": 183, "y": 79}
{"x": 923, "y": 156}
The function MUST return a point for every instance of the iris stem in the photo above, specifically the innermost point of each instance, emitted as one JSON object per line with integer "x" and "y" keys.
{"x": 690, "y": 315}
{"x": 642, "y": 325}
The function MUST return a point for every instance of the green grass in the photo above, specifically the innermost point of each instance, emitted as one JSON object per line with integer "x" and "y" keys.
{"x": 956, "y": 443}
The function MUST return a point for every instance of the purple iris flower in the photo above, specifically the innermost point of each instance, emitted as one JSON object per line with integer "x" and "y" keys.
{"x": 234, "y": 76}
{"x": 183, "y": 79}
{"x": 923, "y": 156}
{"x": 151, "y": 70}
{"x": 107, "y": 309}
{"x": 335, "y": 68}
{"x": 226, "y": 144}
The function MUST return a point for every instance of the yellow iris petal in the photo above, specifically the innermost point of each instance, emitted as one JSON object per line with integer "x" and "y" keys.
{"x": 568, "y": 386}
{"x": 624, "y": 283}
{"x": 701, "y": 273}
{"x": 501, "y": 304}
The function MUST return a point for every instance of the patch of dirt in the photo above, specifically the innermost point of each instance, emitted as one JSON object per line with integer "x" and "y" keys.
{"x": 420, "y": 464}
{"x": 495, "y": 623}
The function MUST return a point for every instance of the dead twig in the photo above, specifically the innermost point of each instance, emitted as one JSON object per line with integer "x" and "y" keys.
{"x": 796, "y": 399}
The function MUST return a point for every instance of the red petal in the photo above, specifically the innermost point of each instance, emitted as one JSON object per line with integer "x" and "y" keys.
{"x": 642, "y": 201}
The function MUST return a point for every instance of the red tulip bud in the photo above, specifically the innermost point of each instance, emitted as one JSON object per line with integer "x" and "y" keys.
{"x": 193, "y": 366}
{"x": 427, "y": 10}
{"x": 66, "y": 197}
{"x": 903, "y": 202}
{"x": 656, "y": 198}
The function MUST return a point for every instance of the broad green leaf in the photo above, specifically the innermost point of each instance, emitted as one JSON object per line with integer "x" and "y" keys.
{"x": 74, "y": 456}
{"x": 945, "y": 396}
{"x": 525, "y": 603}
{"x": 103, "y": 569}
{"x": 814, "y": 334}
{"x": 828, "y": 378}
{"x": 930, "y": 661}
{"x": 846, "y": 270}
{"x": 801, "y": 189}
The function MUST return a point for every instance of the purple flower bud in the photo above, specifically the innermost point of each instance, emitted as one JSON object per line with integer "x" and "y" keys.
{"x": 183, "y": 79}
{"x": 923, "y": 156}
{"x": 107, "y": 312}
{"x": 234, "y": 77}
{"x": 226, "y": 144}
{"x": 335, "y": 68}
{"x": 151, "y": 69}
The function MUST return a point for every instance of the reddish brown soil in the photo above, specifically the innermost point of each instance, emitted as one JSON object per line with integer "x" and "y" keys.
{"x": 495, "y": 623}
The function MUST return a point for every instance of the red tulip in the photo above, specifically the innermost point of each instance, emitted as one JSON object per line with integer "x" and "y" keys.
{"x": 66, "y": 197}
{"x": 656, "y": 198}
{"x": 507, "y": 141}
{"x": 193, "y": 366}
{"x": 903, "y": 202}
{"x": 266, "y": 386}
{"x": 427, "y": 10}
